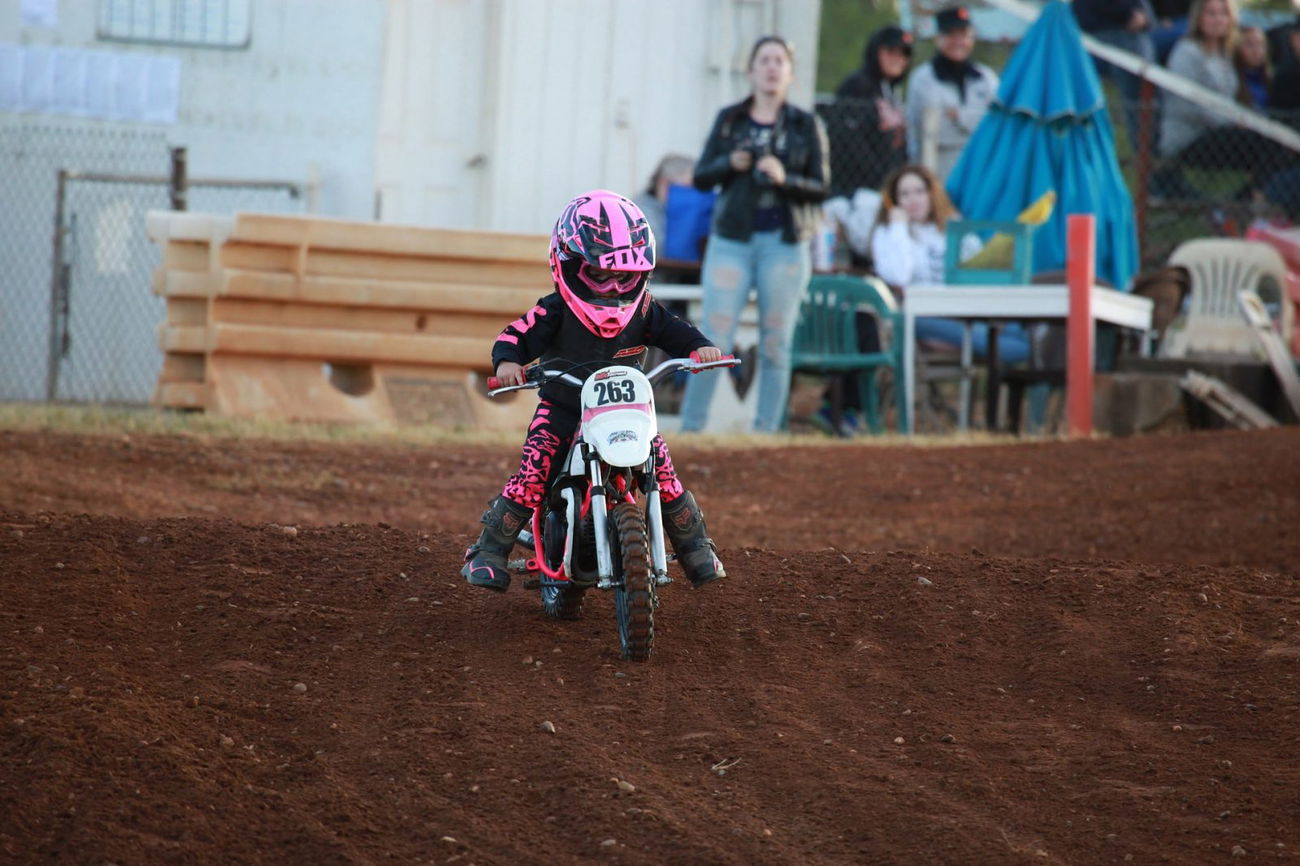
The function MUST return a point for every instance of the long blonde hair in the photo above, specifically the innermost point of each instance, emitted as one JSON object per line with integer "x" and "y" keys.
{"x": 1194, "y": 26}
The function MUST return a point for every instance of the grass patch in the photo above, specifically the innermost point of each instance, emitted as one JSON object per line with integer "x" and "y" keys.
{"x": 119, "y": 420}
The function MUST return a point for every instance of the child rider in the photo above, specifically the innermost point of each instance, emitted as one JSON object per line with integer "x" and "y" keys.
{"x": 602, "y": 253}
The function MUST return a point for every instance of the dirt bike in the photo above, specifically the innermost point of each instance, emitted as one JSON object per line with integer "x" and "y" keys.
{"x": 590, "y": 530}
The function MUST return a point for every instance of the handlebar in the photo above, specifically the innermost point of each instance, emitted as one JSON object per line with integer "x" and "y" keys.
{"x": 538, "y": 376}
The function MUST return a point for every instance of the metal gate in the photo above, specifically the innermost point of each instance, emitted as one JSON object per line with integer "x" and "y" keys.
{"x": 104, "y": 316}
{"x": 78, "y": 317}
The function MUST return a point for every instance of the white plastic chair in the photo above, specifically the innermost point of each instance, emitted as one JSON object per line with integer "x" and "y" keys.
{"x": 1212, "y": 323}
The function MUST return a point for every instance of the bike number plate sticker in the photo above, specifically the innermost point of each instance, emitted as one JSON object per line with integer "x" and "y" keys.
{"x": 618, "y": 414}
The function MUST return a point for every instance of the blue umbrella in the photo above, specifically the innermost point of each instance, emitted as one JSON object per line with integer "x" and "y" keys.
{"x": 1048, "y": 129}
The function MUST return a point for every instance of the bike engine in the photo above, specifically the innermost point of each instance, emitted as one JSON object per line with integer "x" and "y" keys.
{"x": 554, "y": 529}
{"x": 586, "y": 554}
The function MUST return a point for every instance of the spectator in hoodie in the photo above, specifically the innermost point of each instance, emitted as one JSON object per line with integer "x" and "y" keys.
{"x": 868, "y": 133}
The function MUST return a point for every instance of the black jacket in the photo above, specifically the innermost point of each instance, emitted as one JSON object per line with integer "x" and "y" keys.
{"x": 798, "y": 140}
{"x": 550, "y": 330}
{"x": 862, "y": 154}
{"x": 1095, "y": 16}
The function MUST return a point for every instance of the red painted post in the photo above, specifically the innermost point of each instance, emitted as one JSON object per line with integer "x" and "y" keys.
{"x": 1081, "y": 245}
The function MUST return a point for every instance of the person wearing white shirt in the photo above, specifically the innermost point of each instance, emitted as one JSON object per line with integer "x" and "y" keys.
{"x": 908, "y": 246}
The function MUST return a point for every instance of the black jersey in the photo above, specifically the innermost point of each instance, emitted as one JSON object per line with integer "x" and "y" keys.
{"x": 551, "y": 330}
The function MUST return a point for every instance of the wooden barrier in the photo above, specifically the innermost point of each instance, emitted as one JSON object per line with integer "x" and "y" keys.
{"x": 328, "y": 320}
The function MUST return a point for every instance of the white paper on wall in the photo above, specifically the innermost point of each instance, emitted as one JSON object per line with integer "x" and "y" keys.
{"x": 130, "y": 86}
{"x": 69, "y": 90}
{"x": 41, "y": 13}
{"x": 38, "y": 78}
{"x": 163, "y": 90}
{"x": 114, "y": 85}
{"x": 101, "y": 79}
{"x": 11, "y": 77}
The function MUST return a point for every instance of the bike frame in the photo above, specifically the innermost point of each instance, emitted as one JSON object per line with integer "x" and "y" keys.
{"x": 585, "y": 461}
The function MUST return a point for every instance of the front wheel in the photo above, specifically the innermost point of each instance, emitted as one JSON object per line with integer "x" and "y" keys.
{"x": 634, "y": 596}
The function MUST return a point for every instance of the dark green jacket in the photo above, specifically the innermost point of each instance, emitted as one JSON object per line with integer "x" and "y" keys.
{"x": 798, "y": 140}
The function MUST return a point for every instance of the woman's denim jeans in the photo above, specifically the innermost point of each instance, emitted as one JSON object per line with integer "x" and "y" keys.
{"x": 1013, "y": 341}
{"x": 780, "y": 273}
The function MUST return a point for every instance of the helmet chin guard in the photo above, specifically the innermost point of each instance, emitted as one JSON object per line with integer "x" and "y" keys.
{"x": 604, "y": 231}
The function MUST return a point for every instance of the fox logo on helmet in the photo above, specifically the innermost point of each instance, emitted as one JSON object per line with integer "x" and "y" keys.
{"x": 605, "y": 231}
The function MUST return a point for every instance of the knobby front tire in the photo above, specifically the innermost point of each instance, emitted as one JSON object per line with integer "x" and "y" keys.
{"x": 634, "y": 598}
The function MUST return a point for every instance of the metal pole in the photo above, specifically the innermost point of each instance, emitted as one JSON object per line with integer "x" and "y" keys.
{"x": 1143, "y": 150}
{"x": 58, "y": 291}
{"x": 179, "y": 184}
{"x": 1081, "y": 274}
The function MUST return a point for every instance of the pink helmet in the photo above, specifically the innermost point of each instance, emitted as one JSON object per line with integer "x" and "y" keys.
{"x": 602, "y": 231}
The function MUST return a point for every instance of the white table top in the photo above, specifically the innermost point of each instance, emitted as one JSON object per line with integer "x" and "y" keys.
{"x": 1023, "y": 302}
{"x": 676, "y": 291}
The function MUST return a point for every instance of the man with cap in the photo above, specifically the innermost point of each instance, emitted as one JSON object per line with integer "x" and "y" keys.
{"x": 947, "y": 97}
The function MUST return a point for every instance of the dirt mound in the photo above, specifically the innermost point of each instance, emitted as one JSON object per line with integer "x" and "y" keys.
{"x": 1030, "y": 653}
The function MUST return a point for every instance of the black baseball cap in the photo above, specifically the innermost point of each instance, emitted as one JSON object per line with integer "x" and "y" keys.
{"x": 894, "y": 36}
{"x": 952, "y": 18}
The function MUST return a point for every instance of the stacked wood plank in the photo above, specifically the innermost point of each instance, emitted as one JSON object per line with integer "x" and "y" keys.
{"x": 317, "y": 319}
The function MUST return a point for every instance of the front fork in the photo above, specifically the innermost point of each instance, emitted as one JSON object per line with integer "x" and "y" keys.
{"x": 654, "y": 523}
{"x": 600, "y": 521}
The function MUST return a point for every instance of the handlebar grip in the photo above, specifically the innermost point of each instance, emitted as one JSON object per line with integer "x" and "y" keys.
{"x": 493, "y": 383}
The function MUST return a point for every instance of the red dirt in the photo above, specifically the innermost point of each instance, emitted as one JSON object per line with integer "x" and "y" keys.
{"x": 1100, "y": 662}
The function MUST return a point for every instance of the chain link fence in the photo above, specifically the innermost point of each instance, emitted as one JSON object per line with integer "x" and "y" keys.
{"x": 1210, "y": 181}
{"x": 1215, "y": 184}
{"x": 78, "y": 317}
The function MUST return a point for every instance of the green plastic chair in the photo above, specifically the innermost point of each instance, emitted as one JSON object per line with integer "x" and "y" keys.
{"x": 826, "y": 336}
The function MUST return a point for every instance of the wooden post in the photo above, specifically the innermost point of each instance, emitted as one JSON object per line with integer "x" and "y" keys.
{"x": 1081, "y": 244}
{"x": 179, "y": 184}
{"x": 59, "y": 301}
{"x": 1143, "y": 150}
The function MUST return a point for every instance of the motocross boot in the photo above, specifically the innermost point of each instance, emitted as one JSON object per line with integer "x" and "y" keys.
{"x": 684, "y": 525}
{"x": 485, "y": 561}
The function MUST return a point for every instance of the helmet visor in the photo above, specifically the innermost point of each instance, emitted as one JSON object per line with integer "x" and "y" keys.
{"x": 604, "y": 282}
{"x": 601, "y": 287}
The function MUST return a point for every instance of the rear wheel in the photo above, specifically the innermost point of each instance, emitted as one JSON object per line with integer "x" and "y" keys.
{"x": 634, "y": 597}
{"x": 561, "y": 599}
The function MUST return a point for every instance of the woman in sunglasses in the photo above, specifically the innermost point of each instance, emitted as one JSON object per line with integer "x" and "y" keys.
{"x": 602, "y": 254}
{"x": 770, "y": 161}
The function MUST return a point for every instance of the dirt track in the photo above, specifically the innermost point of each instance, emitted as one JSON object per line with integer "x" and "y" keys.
{"x": 1100, "y": 661}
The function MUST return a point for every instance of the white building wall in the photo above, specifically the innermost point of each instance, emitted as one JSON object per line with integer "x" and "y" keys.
{"x": 301, "y": 98}
{"x": 471, "y": 113}
{"x": 552, "y": 97}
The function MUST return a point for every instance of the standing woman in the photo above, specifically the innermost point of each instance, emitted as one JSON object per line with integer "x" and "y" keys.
{"x": 770, "y": 160}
